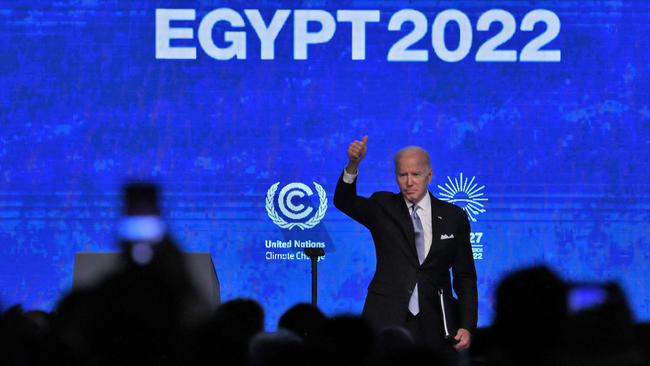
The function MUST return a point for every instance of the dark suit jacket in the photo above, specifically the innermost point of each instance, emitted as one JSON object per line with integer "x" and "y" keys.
{"x": 386, "y": 215}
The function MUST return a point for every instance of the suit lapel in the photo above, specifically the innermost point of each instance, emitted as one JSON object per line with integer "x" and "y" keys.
{"x": 436, "y": 224}
{"x": 400, "y": 214}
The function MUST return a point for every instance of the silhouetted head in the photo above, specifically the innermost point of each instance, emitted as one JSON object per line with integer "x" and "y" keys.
{"x": 301, "y": 319}
{"x": 392, "y": 340}
{"x": 224, "y": 339}
{"x": 532, "y": 300}
{"x": 342, "y": 340}
{"x": 240, "y": 318}
{"x": 282, "y": 348}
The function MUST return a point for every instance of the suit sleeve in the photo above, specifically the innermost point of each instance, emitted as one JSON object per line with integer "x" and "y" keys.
{"x": 464, "y": 277}
{"x": 361, "y": 209}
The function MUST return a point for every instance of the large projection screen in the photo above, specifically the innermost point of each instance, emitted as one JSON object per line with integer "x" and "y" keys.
{"x": 536, "y": 115}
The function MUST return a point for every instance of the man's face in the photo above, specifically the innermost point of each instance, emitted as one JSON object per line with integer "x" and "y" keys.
{"x": 413, "y": 176}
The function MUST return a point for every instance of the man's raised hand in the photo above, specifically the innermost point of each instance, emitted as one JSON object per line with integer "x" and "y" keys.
{"x": 357, "y": 149}
{"x": 356, "y": 152}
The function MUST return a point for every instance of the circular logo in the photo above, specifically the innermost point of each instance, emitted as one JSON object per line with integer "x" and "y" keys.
{"x": 289, "y": 205}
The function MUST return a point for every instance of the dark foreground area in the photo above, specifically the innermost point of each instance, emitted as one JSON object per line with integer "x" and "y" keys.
{"x": 149, "y": 314}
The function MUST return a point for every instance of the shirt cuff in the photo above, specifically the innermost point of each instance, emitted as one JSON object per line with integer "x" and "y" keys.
{"x": 349, "y": 178}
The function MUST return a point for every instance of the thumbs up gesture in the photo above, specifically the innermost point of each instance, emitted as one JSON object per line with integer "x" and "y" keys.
{"x": 356, "y": 152}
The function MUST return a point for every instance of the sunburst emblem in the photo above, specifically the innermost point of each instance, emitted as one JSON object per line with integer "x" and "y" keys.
{"x": 465, "y": 193}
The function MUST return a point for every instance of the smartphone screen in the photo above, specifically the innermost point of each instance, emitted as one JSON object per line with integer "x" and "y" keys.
{"x": 583, "y": 297}
{"x": 150, "y": 229}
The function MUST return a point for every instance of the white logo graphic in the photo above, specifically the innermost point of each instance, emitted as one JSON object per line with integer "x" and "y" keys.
{"x": 293, "y": 211}
{"x": 465, "y": 193}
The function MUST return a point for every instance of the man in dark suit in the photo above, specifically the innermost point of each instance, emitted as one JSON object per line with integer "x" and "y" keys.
{"x": 417, "y": 238}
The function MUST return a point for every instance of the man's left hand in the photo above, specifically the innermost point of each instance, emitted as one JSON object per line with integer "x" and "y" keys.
{"x": 464, "y": 339}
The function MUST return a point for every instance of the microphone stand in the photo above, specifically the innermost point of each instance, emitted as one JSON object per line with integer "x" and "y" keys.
{"x": 314, "y": 254}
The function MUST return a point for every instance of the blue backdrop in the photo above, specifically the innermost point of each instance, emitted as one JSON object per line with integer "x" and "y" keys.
{"x": 553, "y": 146}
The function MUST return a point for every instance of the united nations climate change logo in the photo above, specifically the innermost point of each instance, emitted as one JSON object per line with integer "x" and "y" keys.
{"x": 465, "y": 193}
{"x": 289, "y": 204}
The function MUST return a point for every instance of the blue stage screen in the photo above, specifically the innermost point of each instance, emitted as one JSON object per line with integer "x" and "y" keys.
{"x": 536, "y": 115}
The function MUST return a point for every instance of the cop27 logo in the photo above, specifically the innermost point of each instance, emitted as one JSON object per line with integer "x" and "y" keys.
{"x": 291, "y": 208}
{"x": 465, "y": 193}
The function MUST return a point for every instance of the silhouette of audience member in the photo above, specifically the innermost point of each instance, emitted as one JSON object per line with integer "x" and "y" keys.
{"x": 24, "y": 337}
{"x": 603, "y": 334}
{"x": 282, "y": 348}
{"x": 72, "y": 329}
{"x": 643, "y": 341}
{"x": 341, "y": 340}
{"x": 136, "y": 316}
{"x": 391, "y": 340}
{"x": 410, "y": 356}
{"x": 395, "y": 346}
{"x": 139, "y": 314}
{"x": 530, "y": 319}
{"x": 224, "y": 339}
{"x": 301, "y": 319}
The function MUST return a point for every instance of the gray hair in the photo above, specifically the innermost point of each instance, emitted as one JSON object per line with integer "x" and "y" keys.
{"x": 410, "y": 150}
